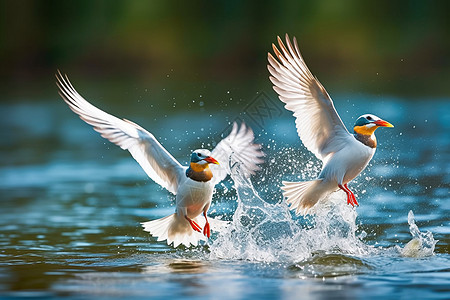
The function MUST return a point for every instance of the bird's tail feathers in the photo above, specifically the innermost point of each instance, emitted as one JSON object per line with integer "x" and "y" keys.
{"x": 178, "y": 231}
{"x": 302, "y": 196}
{"x": 175, "y": 230}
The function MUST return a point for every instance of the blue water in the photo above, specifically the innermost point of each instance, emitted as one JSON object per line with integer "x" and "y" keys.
{"x": 72, "y": 203}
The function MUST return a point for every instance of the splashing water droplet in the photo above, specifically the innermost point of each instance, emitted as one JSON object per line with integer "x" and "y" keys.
{"x": 266, "y": 232}
{"x": 422, "y": 243}
{"x": 263, "y": 229}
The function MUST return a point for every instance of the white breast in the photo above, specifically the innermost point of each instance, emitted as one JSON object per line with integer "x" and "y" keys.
{"x": 194, "y": 195}
{"x": 347, "y": 163}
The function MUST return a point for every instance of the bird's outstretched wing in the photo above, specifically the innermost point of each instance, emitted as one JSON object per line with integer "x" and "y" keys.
{"x": 237, "y": 147}
{"x": 143, "y": 146}
{"x": 318, "y": 124}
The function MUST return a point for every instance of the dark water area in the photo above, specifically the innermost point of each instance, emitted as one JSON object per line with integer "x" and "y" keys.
{"x": 72, "y": 203}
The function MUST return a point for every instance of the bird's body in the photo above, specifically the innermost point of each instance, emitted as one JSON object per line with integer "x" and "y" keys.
{"x": 345, "y": 164}
{"x": 344, "y": 155}
{"x": 192, "y": 185}
{"x": 194, "y": 197}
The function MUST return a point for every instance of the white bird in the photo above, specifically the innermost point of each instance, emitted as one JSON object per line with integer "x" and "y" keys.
{"x": 344, "y": 155}
{"x": 193, "y": 185}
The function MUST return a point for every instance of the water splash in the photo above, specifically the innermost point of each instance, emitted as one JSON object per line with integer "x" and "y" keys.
{"x": 266, "y": 232}
{"x": 422, "y": 243}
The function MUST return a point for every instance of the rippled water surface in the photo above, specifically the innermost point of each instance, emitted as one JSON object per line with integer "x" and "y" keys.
{"x": 71, "y": 204}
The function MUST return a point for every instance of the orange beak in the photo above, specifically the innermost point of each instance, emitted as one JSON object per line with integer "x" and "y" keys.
{"x": 383, "y": 123}
{"x": 211, "y": 160}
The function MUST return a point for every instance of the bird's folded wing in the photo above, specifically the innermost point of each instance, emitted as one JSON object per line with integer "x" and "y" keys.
{"x": 237, "y": 147}
{"x": 156, "y": 161}
{"x": 319, "y": 126}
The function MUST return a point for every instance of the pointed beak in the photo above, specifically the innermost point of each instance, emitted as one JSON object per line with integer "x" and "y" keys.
{"x": 383, "y": 123}
{"x": 211, "y": 160}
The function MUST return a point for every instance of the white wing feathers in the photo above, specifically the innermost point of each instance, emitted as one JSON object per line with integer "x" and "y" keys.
{"x": 319, "y": 126}
{"x": 146, "y": 150}
{"x": 237, "y": 147}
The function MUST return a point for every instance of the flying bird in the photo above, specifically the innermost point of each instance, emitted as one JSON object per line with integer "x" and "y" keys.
{"x": 344, "y": 154}
{"x": 193, "y": 185}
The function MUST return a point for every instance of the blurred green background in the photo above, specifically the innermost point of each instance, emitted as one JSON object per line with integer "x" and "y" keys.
{"x": 146, "y": 49}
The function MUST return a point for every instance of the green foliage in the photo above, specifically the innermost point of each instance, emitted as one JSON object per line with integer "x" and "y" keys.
{"x": 353, "y": 46}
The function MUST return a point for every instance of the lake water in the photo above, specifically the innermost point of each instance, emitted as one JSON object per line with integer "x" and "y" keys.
{"x": 72, "y": 203}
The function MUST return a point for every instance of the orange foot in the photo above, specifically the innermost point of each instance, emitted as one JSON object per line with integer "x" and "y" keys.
{"x": 194, "y": 225}
{"x": 351, "y": 199}
{"x": 207, "y": 228}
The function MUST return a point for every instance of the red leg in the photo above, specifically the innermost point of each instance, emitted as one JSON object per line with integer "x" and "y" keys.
{"x": 194, "y": 225}
{"x": 207, "y": 228}
{"x": 350, "y": 196}
{"x": 353, "y": 195}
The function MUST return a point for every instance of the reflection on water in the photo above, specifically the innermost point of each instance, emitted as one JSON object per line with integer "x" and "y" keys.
{"x": 178, "y": 265}
{"x": 72, "y": 204}
{"x": 330, "y": 265}
{"x": 185, "y": 266}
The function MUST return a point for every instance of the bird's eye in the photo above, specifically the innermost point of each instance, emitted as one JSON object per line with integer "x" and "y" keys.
{"x": 369, "y": 118}
{"x": 199, "y": 154}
